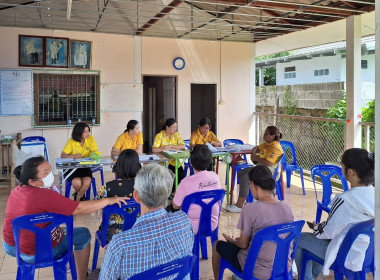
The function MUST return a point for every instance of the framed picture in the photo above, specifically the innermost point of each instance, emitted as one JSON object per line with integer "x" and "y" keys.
{"x": 31, "y": 51}
{"x": 56, "y": 52}
{"x": 80, "y": 54}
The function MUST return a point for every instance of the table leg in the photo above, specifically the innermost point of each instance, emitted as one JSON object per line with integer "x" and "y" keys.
{"x": 228, "y": 183}
{"x": 176, "y": 173}
{"x": 232, "y": 181}
{"x": 60, "y": 180}
{"x": 282, "y": 183}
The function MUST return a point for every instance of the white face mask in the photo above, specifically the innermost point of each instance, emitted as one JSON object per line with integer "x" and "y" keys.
{"x": 48, "y": 180}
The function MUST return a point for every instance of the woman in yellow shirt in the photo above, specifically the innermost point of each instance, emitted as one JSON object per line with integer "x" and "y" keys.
{"x": 170, "y": 139}
{"x": 130, "y": 139}
{"x": 80, "y": 145}
{"x": 204, "y": 135}
{"x": 268, "y": 153}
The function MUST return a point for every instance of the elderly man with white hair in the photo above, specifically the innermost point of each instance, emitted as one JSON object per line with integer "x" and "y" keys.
{"x": 157, "y": 237}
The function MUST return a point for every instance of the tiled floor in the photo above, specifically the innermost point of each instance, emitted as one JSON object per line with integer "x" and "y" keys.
{"x": 303, "y": 207}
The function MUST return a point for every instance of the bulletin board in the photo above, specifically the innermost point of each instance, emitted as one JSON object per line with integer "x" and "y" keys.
{"x": 16, "y": 92}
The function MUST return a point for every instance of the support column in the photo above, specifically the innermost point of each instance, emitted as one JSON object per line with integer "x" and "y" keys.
{"x": 377, "y": 140}
{"x": 252, "y": 94}
{"x": 138, "y": 73}
{"x": 261, "y": 77}
{"x": 353, "y": 82}
{"x": 137, "y": 56}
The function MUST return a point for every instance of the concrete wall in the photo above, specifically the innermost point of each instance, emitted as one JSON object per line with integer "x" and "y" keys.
{"x": 305, "y": 97}
{"x": 115, "y": 55}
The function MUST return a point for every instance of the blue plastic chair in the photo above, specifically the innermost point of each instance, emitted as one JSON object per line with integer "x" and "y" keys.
{"x": 44, "y": 251}
{"x": 275, "y": 234}
{"x": 93, "y": 184}
{"x": 28, "y": 143}
{"x": 182, "y": 267}
{"x": 293, "y": 166}
{"x": 204, "y": 230}
{"x": 129, "y": 221}
{"x": 88, "y": 192}
{"x": 239, "y": 166}
{"x": 325, "y": 172}
{"x": 187, "y": 162}
{"x": 338, "y": 267}
{"x": 278, "y": 184}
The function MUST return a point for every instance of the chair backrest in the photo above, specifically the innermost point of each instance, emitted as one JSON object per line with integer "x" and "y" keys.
{"x": 187, "y": 143}
{"x": 182, "y": 267}
{"x": 34, "y": 138}
{"x": 35, "y": 145}
{"x": 44, "y": 251}
{"x": 325, "y": 172}
{"x": 228, "y": 142}
{"x": 366, "y": 228}
{"x": 129, "y": 216}
{"x": 283, "y": 235}
{"x": 198, "y": 198}
{"x": 285, "y": 146}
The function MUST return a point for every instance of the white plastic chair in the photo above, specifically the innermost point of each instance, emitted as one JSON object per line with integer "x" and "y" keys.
{"x": 35, "y": 145}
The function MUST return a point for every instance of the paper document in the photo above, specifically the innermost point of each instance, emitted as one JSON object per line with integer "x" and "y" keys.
{"x": 239, "y": 147}
{"x": 217, "y": 149}
{"x": 148, "y": 157}
{"x": 64, "y": 160}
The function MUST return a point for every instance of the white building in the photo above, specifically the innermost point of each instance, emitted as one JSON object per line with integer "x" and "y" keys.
{"x": 324, "y": 64}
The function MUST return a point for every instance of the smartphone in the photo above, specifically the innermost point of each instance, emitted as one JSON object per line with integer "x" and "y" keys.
{"x": 310, "y": 224}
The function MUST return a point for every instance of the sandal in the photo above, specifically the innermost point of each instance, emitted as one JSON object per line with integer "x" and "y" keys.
{"x": 75, "y": 196}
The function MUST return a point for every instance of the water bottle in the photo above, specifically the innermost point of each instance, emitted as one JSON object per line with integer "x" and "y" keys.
{"x": 79, "y": 119}
{"x": 93, "y": 121}
{"x": 69, "y": 122}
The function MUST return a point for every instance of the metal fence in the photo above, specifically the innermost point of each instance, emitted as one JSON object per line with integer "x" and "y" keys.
{"x": 317, "y": 140}
{"x": 368, "y": 136}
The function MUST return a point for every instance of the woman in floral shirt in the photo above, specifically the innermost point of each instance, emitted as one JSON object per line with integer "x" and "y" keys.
{"x": 126, "y": 168}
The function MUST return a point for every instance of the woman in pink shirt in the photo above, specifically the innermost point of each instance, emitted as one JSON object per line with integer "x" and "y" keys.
{"x": 202, "y": 180}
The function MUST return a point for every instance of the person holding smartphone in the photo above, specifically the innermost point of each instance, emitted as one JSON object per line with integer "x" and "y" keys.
{"x": 266, "y": 211}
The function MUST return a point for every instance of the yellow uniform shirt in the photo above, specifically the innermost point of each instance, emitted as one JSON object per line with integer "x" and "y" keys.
{"x": 271, "y": 152}
{"x": 124, "y": 142}
{"x": 162, "y": 140}
{"x": 73, "y": 147}
{"x": 197, "y": 138}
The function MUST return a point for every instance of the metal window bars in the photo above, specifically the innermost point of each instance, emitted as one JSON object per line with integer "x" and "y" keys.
{"x": 65, "y": 99}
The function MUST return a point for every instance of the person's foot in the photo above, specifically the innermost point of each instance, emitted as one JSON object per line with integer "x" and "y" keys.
{"x": 233, "y": 208}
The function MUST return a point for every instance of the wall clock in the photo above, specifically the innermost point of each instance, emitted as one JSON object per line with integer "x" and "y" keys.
{"x": 179, "y": 63}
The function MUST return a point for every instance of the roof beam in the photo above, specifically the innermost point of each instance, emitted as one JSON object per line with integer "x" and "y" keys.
{"x": 219, "y": 16}
{"x": 303, "y": 8}
{"x": 14, "y": 6}
{"x": 100, "y": 16}
{"x": 161, "y": 14}
{"x": 351, "y": 5}
{"x": 232, "y": 2}
{"x": 274, "y": 14}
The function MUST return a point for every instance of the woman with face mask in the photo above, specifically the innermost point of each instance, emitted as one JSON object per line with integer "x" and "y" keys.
{"x": 34, "y": 196}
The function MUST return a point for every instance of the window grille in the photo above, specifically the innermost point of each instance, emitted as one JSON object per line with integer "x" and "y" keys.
{"x": 65, "y": 99}
{"x": 364, "y": 64}
{"x": 290, "y": 69}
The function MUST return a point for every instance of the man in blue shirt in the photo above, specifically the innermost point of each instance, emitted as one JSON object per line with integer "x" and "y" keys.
{"x": 157, "y": 237}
